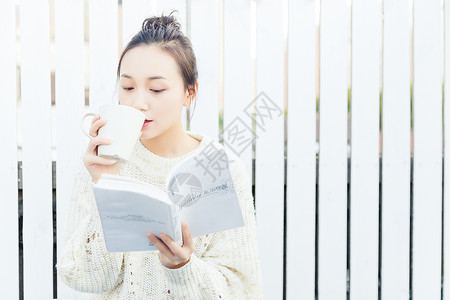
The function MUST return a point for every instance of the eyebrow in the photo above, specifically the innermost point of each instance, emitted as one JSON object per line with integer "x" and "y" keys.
{"x": 149, "y": 78}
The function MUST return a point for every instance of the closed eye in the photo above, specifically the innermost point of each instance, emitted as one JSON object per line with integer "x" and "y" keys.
{"x": 154, "y": 91}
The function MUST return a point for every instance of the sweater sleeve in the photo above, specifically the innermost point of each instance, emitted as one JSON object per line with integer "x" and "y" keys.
{"x": 229, "y": 266}
{"x": 85, "y": 264}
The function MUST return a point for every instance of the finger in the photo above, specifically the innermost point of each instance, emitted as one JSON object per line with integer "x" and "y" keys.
{"x": 93, "y": 131}
{"x": 187, "y": 236}
{"x": 92, "y": 123}
{"x": 173, "y": 246}
{"x": 95, "y": 119}
{"x": 163, "y": 249}
{"x": 94, "y": 142}
{"x": 94, "y": 159}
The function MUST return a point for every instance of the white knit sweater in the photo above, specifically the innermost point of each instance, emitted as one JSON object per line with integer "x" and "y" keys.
{"x": 224, "y": 265}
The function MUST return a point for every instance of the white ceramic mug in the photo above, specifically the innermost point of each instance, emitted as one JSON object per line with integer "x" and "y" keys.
{"x": 123, "y": 127}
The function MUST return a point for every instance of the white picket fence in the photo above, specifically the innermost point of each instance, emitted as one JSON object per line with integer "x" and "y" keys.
{"x": 257, "y": 56}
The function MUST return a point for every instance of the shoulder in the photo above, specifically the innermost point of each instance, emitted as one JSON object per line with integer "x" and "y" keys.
{"x": 83, "y": 179}
{"x": 237, "y": 167}
{"x": 80, "y": 171}
{"x": 235, "y": 160}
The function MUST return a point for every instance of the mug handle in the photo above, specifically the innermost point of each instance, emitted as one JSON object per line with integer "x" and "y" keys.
{"x": 82, "y": 122}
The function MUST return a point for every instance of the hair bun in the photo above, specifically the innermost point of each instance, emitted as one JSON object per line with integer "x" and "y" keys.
{"x": 154, "y": 23}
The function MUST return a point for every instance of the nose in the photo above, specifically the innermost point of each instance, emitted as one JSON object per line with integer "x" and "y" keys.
{"x": 140, "y": 102}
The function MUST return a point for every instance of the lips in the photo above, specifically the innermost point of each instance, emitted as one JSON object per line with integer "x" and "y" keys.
{"x": 146, "y": 122}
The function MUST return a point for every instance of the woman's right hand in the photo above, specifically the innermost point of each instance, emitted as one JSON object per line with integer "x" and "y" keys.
{"x": 95, "y": 164}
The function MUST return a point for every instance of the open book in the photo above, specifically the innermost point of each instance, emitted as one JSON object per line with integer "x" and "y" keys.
{"x": 199, "y": 191}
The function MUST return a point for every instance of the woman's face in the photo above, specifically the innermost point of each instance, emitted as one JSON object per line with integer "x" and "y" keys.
{"x": 150, "y": 81}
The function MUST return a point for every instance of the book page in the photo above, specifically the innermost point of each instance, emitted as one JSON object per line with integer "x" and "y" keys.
{"x": 202, "y": 186}
{"x": 118, "y": 182}
{"x": 126, "y": 218}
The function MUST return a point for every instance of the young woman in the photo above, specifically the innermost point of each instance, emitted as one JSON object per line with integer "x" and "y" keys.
{"x": 157, "y": 75}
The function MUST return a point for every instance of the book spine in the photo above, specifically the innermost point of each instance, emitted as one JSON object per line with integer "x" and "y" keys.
{"x": 176, "y": 224}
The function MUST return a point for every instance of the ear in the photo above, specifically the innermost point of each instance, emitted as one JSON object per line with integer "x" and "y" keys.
{"x": 190, "y": 95}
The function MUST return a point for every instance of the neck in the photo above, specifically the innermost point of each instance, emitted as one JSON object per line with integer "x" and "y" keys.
{"x": 173, "y": 142}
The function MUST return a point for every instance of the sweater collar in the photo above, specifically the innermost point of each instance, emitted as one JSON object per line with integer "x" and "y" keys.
{"x": 155, "y": 165}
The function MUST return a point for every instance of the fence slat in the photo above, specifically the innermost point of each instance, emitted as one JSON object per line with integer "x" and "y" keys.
{"x": 333, "y": 151}
{"x": 427, "y": 189}
{"x": 204, "y": 30}
{"x": 69, "y": 94}
{"x": 301, "y": 152}
{"x": 37, "y": 162}
{"x": 103, "y": 56}
{"x": 446, "y": 218}
{"x": 9, "y": 275}
{"x": 269, "y": 161}
{"x": 365, "y": 112}
{"x": 237, "y": 79}
{"x": 396, "y": 161}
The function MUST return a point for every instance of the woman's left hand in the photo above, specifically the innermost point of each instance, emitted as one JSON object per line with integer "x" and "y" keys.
{"x": 172, "y": 255}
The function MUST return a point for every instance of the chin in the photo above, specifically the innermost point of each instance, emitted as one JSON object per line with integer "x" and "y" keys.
{"x": 146, "y": 136}
{"x": 149, "y": 134}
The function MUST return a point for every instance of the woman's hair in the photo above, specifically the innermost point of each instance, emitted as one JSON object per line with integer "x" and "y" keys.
{"x": 164, "y": 32}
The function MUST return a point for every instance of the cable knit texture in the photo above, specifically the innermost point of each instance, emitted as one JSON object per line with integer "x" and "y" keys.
{"x": 224, "y": 265}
